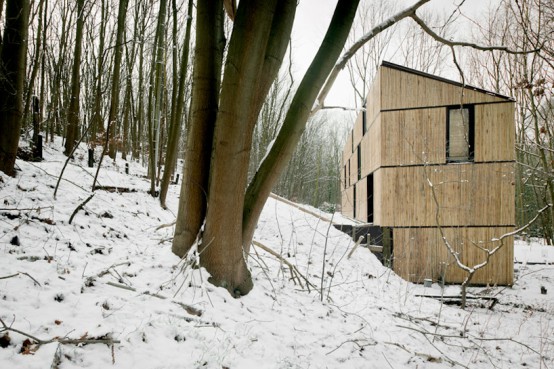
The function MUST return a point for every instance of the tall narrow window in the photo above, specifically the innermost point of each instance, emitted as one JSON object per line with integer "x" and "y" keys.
{"x": 359, "y": 162}
{"x": 460, "y": 134}
{"x": 364, "y": 121}
{"x": 352, "y": 142}
{"x": 345, "y": 177}
{"x": 370, "y": 198}
{"x": 349, "y": 175}
{"x": 354, "y": 214}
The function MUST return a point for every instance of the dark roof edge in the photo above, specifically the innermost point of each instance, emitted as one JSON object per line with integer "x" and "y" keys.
{"x": 431, "y": 76}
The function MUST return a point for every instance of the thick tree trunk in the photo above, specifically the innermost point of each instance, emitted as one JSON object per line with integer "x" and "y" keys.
{"x": 205, "y": 96}
{"x": 176, "y": 109}
{"x": 222, "y": 252}
{"x": 73, "y": 113}
{"x": 12, "y": 76}
{"x": 295, "y": 121}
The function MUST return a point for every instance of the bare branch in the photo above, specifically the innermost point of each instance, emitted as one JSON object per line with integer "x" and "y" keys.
{"x": 451, "y": 43}
{"x": 341, "y": 63}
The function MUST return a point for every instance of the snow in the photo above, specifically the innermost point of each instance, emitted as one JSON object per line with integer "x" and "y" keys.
{"x": 366, "y": 317}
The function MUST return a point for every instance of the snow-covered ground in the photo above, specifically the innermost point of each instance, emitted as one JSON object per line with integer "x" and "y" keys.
{"x": 110, "y": 276}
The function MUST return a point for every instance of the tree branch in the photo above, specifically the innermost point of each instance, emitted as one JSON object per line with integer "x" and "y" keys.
{"x": 451, "y": 43}
{"x": 341, "y": 63}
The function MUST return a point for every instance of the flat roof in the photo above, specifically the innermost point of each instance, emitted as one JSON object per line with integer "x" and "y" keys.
{"x": 455, "y": 83}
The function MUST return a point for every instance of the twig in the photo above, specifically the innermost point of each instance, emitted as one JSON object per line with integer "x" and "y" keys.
{"x": 69, "y": 158}
{"x": 24, "y": 273}
{"x": 295, "y": 273}
{"x": 355, "y": 246}
{"x": 79, "y": 208}
{"x": 28, "y": 209}
{"x": 189, "y": 309}
{"x": 442, "y": 40}
{"x": 341, "y": 63}
{"x": 67, "y": 341}
{"x": 165, "y": 226}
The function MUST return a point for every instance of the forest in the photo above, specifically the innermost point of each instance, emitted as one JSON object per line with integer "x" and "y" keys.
{"x": 154, "y": 150}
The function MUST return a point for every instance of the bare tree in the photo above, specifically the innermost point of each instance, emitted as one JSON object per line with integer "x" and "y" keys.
{"x": 12, "y": 76}
{"x": 73, "y": 113}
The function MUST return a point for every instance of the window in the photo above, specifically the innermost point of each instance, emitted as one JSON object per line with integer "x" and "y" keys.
{"x": 352, "y": 142}
{"x": 345, "y": 177}
{"x": 359, "y": 162}
{"x": 354, "y": 215}
{"x": 349, "y": 172}
{"x": 364, "y": 122}
{"x": 459, "y": 133}
{"x": 370, "y": 198}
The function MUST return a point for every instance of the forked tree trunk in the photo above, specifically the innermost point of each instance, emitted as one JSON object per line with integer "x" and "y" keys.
{"x": 12, "y": 77}
{"x": 73, "y": 113}
{"x": 297, "y": 116}
{"x": 258, "y": 43}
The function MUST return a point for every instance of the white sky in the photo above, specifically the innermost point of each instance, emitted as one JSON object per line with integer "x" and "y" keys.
{"x": 313, "y": 17}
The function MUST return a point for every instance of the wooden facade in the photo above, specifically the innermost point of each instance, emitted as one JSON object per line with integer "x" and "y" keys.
{"x": 429, "y": 154}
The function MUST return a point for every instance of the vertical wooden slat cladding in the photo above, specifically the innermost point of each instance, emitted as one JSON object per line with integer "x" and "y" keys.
{"x": 494, "y": 132}
{"x": 373, "y": 104}
{"x": 347, "y": 203}
{"x": 467, "y": 194}
{"x": 405, "y": 150}
{"x": 421, "y": 253}
{"x": 402, "y": 90}
{"x": 347, "y": 152}
{"x": 371, "y": 148}
{"x": 411, "y": 137}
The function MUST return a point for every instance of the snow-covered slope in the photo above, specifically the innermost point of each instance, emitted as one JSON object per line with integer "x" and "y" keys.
{"x": 110, "y": 281}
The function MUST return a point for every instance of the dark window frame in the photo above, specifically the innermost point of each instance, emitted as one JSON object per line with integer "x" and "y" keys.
{"x": 370, "y": 202}
{"x": 354, "y": 207}
{"x": 471, "y": 133}
{"x": 364, "y": 121}
{"x": 359, "y": 158}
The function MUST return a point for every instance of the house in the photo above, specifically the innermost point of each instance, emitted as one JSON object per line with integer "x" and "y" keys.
{"x": 431, "y": 160}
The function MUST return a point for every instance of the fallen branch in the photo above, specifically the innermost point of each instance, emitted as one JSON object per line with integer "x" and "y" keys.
{"x": 24, "y": 273}
{"x": 165, "y": 225}
{"x": 81, "y": 205}
{"x": 355, "y": 246}
{"x": 115, "y": 189}
{"x": 189, "y": 309}
{"x": 295, "y": 273}
{"x": 66, "y": 341}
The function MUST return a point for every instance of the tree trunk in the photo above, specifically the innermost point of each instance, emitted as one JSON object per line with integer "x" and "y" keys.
{"x": 73, "y": 113}
{"x": 258, "y": 43}
{"x": 36, "y": 64}
{"x": 177, "y": 110}
{"x": 97, "y": 123}
{"x": 12, "y": 77}
{"x": 295, "y": 121}
{"x": 155, "y": 103}
{"x": 114, "y": 104}
{"x": 205, "y": 96}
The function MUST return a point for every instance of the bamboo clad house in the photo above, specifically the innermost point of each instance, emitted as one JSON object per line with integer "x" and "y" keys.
{"x": 430, "y": 159}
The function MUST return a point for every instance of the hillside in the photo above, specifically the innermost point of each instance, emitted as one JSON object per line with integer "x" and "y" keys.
{"x": 106, "y": 291}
